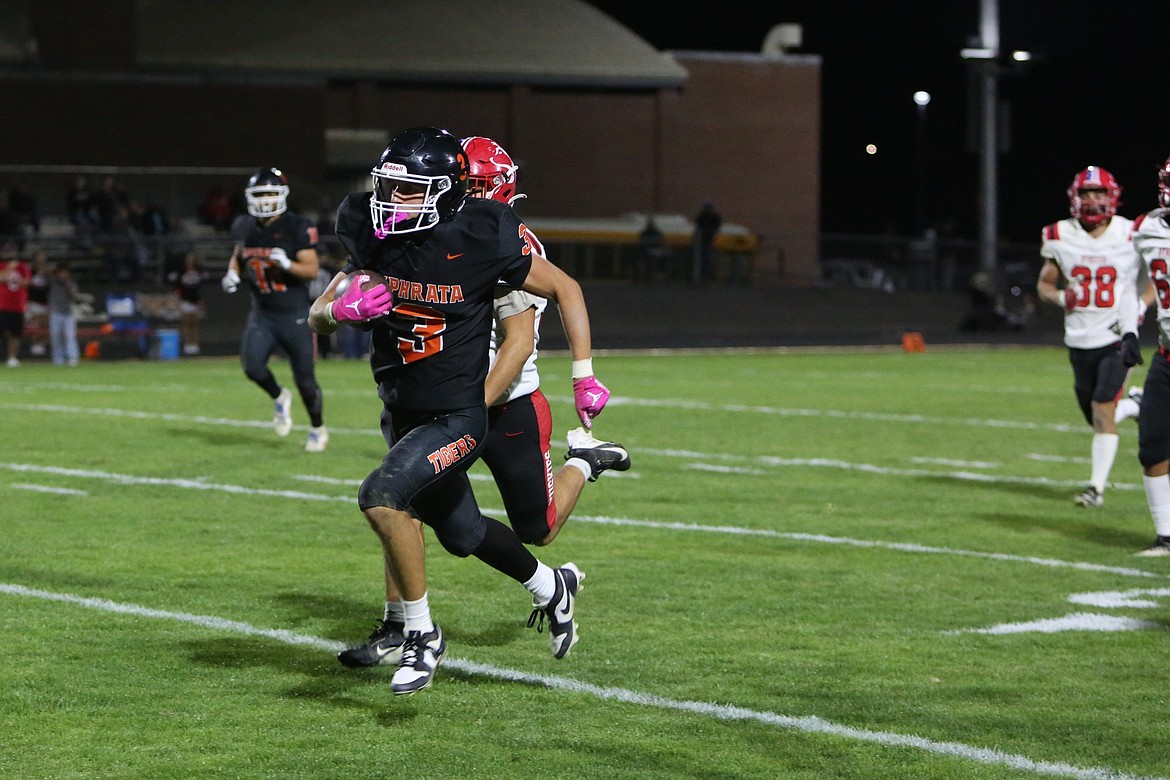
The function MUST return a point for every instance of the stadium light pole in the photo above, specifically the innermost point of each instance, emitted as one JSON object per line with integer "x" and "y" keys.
{"x": 986, "y": 60}
{"x": 922, "y": 100}
{"x": 990, "y": 64}
{"x": 986, "y": 57}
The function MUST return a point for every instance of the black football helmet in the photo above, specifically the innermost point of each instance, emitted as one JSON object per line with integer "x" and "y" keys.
{"x": 267, "y": 193}
{"x": 420, "y": 180}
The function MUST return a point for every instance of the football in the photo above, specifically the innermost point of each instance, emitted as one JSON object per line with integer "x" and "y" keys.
{"x": 370, "y": 280}
{"x": 373, "y": 279}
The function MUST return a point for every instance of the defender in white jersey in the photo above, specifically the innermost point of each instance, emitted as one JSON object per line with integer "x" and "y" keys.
{"x": 517, "y": 447}
{"x": 1092, "y": 254}
{"x": 516, "y": 451}
{"x": 1151, "y": 238}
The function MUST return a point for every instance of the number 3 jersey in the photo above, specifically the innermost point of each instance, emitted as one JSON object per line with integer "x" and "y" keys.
{"x": 1104, "y": 268}
{"x": 431, "y": 351}
{"x": 1151, "y": 238}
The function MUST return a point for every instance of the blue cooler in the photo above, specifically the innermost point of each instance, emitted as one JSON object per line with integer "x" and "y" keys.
{"x": 168, "y": 344}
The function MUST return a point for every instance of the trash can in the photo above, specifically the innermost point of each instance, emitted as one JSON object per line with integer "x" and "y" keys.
{"x": 168, "y": 344}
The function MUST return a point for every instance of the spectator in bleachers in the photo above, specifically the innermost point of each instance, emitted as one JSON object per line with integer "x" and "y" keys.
{"x": 63, "y": 291}
{"x": 216, "y": 208}
{"x": 188, "y": 287}
{"x": 152, "y": 226}
{"x": 111, "y": 200}
{"x": 37, "y": 311}
{"x": 23, "y": 206}
{"x": 153, "y": 221}
{"x": 327, "y": 229}
{"x": 179, "y": 243}
{"x": 9, "y": 225}
{"x": 328, "y": 268}
{"x": 82, "y": 211}
{"x": 654, "y": 254}
{"x": 14, "y": 276}
{"x": 121, "y": 248}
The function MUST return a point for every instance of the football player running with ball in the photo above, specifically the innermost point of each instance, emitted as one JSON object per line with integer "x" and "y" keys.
{"x": 517, "y": 447}
{"x": 276, "y": 257}
{"x": 1091, "y": 252}
{"x": 443, "y": 255}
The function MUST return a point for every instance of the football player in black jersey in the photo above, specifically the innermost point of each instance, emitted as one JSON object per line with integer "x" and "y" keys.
{"x": 517, "y": 449}
{"x": 442, "y": 255}
{"x": 276, "y": 256}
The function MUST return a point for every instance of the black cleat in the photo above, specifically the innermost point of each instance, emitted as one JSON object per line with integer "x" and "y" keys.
{"x": 384, "y": 647}
{"x": 600, "y": 455}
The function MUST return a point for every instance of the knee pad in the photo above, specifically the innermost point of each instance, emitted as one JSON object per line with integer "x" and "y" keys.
{"x": 377, "y": 490}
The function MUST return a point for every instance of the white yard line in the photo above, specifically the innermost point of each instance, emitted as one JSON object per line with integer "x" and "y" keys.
{"x": 49, "y": 489}
{"x": 774, "y": 411}
{"x": 203, "y": 484}
{"x": 706, "y": 460}
{"x": 805, "y": 724}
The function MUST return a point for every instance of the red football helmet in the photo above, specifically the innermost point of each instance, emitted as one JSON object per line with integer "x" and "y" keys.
{"x": 493, "y": 174}
{"x": 1164, "y": 184}
{"x": 1093, "y": 178}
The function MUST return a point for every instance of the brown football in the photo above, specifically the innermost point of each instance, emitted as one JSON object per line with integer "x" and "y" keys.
{"x": 373, "y": 279}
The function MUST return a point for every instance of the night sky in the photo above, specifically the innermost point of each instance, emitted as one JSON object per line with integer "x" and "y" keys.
{"x": 1097, "y": 95}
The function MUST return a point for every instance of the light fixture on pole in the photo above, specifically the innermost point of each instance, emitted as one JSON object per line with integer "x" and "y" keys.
{"x": 922, "y": 100}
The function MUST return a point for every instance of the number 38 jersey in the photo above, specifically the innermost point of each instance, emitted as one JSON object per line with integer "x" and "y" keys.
{"x": 1151, "y": 238}
{"x": 1103, "y": 268}
{"x": 431, "y": 351}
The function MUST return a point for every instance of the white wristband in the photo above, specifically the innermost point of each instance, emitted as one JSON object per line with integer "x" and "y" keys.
{"x": 582, "y": 368}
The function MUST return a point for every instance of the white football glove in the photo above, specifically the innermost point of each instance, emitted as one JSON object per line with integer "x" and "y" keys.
{"x": 281, "y": 257}
{"x": 230, "y": 281}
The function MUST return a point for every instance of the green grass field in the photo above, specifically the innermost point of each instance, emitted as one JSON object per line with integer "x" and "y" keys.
{"x": 834, "y": 565}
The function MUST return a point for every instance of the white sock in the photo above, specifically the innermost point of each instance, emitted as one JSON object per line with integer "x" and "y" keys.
{"x": 582, "y": 466}
{"x": 417, "y": 615}
{"x": 542, "y": 585}
{"x": 1158, "y": 497}
{"x": 394, "y": 613}
{"x": 1126, "y": 408}
{"x": 1104, "y": 452}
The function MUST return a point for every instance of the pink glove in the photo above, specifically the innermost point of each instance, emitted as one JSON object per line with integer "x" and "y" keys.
{"x": 590, "y": 397}
{"x": 358, "y": 305}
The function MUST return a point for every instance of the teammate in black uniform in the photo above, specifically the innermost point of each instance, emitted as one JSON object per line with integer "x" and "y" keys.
{"x": 276, "y": 254}
{"x": 442, "y": 255}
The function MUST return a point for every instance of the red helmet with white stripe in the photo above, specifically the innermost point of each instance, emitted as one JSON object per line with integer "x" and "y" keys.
{"x": 1092, "y": 213}
{"x": 493, "y": 174}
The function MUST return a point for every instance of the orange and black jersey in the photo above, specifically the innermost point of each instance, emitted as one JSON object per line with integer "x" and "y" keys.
{"x": 273, "y": 288}
{"x": 431, "y": 352}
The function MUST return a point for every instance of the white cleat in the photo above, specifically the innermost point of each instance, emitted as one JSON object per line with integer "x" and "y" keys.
{"x": 559, "y": 610}
{"x": 318, "y": 440}
{"x": 1090, "y": 499}
{"x": 282, "y": 416}
{"x": 1159, "y": 549}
